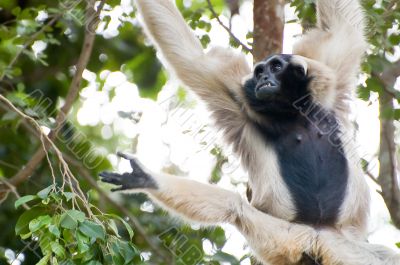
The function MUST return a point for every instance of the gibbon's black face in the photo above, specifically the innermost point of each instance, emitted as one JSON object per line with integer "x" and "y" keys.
{"x": 276, "y": 84}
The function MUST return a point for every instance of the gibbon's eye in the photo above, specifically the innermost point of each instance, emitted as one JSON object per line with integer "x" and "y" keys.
{"x": 299, "y": 71}
{"x": 276, "y": 66}
{"x": 259, "y": 71}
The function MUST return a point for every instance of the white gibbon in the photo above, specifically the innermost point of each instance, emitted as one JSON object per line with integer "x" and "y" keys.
{"x": 287, "y": 120}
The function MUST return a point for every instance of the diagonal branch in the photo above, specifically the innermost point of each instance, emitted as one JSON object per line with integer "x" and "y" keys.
{"x": 244, "y": 46}
{"x": 87, "y": 47}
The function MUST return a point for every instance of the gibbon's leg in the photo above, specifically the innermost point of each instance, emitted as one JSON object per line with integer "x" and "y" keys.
{"x": 335, "y": 248}
{"x": 215, "y": 76}
{"x": 338, "y": 41}
{"x": 274, "y": 241}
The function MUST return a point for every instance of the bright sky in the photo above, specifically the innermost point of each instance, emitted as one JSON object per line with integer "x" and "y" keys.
{"x": 166, "y": 138}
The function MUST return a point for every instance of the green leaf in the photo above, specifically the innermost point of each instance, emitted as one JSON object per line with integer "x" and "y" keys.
{"x": 45, "y": 260}
{"x": 92, "y": 230}
{"x": 45, "y": 192}
{"x": 218, "y": 236}
{"x": 364, "y": 93}
{"x": 16, "y": 10}
{"x": 374, "y": 85}
{"x": 57, "y": 249}
{"x": 126, "y": 251}
{"x": 93, "y": 262}
{"x": 24, "y": 200}
{"x": 127, "y": 226}
{"x": 68, "y": 235}
{"x": 54, "y": 230}
{"x": 70, "y": 219}
{"x": 83, "y": 242}
{"x": 39, "y": 222}
{"x": 22, "y": 226}
{"x": 225, "y": 257}
{"x": 394, "y": 39}
{"x": 398, "y": 244}
{"x": 113, "y": 227}
{"x": 68, "y": 195}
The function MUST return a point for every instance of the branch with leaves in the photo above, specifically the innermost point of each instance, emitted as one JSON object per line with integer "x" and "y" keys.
{"x": 236, "y": 39}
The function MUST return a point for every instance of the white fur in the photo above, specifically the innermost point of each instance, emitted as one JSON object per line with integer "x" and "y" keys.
{"x": 331, "y": 54}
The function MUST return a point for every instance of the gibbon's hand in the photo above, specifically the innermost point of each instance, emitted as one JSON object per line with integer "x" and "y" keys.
{"x": 137, "y": 179}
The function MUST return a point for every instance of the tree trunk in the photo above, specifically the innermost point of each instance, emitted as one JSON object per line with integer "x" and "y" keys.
{"x": 269, "y": 21}
{"x": 388, "y": 176}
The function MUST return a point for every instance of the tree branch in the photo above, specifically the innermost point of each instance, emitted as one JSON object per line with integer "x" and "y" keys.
{"x": 244, "y": 46}
{"x": 86, "y": 51}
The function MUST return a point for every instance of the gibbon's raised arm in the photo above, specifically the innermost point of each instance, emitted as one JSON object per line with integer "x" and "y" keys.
{"x": 338, "y": 41}
{"x": 215, "y": 76}
{"x": 275, "y": 241}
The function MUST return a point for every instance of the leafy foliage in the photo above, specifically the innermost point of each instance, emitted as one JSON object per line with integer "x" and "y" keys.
{"x": 69, "y": 236}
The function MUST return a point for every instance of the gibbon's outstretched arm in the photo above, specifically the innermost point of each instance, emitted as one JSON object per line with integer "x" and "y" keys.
{"x": 215, "y": 76}
{"x": 338, "y": 41}
{"x": 274, "y": 241}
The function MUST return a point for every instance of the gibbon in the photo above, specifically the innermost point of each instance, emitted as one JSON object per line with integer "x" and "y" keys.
{"x": 287, "y": 120}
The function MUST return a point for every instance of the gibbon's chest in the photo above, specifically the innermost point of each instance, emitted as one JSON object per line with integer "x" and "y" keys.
{"x": 313, "y": 166}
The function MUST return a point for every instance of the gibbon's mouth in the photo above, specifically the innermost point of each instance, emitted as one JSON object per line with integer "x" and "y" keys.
{"x": 266, "y": 90}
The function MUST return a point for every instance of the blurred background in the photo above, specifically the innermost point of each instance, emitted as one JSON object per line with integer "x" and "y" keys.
{"x": 79, "y": 81}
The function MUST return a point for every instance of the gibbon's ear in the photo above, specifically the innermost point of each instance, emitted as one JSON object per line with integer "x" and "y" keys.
{"x": 337, "y": 42}
{"x": 323, "y": 81}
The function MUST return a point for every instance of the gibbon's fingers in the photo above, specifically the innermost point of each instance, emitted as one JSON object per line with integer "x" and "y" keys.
{"x": 137, "y": 179}
{"x": 125, "y": 156}
{"x": 135, "y": 165}
{"x": 110, "y": 177}
{"x": 128, "y": 181}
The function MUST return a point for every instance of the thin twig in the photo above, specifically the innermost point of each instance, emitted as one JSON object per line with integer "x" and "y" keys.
{"x": 371, "y": 176}
{"x": 47, "y": 142}
{"x": 15, "y": 192}
{"x": 244, "y": 46}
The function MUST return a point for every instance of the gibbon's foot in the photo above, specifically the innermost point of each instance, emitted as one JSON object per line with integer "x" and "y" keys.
{"x": 137, "y": 179}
